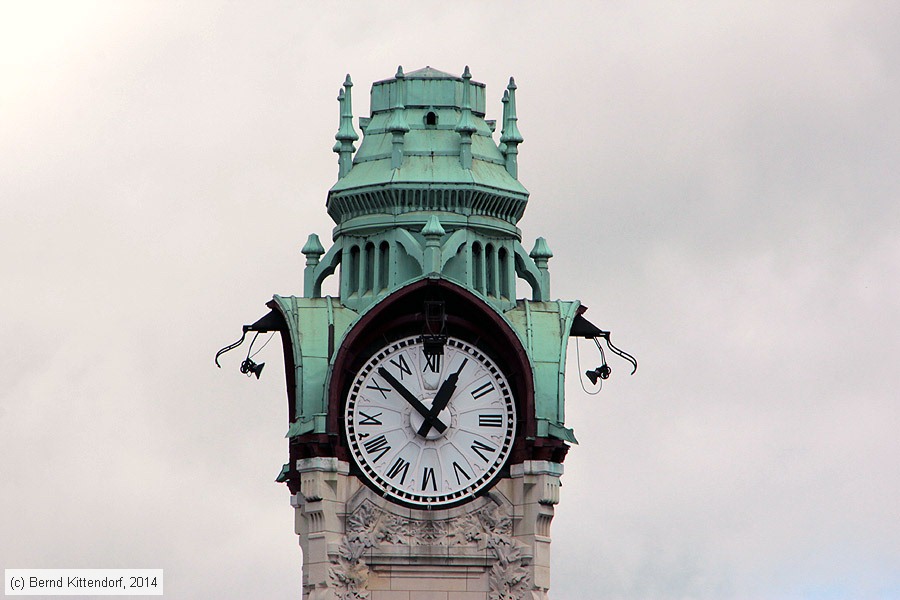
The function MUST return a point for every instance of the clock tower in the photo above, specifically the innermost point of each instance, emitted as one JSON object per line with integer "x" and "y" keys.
{"x": 427, "y": 427}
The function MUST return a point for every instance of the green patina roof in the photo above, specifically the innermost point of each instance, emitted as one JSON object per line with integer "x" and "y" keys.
{"x": 427, "y": 144}
{"x": 430, "y": 73}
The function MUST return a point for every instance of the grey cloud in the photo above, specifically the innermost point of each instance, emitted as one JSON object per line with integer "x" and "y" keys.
{"x": 717, "y": 184}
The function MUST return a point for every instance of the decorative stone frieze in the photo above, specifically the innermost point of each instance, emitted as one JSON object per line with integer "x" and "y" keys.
{"x": 359, "y": 546}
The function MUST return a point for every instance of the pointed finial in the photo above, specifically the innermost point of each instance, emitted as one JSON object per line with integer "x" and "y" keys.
{"x": 345, "y": 135}
{"x": 541, "y": 250}
{"x": 432, "y": 231}
{"x": 505, "y": 101}
{"x": 400, "y": 74}
{"x": 313, "y": 246}
{"x": 432, "y": 227}
{"x": 541, "y": 254}
{"x": 466, "y": 126}
{"x": 313, "y": 251}
{"x": 340, "y": 98}
{"x": 511, "y": 138}
{"x": 346, "y": 131}
{"x": 397, "y": 123}
{"x": 511, "y": 133}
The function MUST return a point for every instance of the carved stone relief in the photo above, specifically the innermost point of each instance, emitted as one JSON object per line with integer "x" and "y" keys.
{"x": 488, "y": 527}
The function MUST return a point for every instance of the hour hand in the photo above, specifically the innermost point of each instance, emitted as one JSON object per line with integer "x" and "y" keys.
{"x": 413, "y": 401}
{"x": 441, "y": 399}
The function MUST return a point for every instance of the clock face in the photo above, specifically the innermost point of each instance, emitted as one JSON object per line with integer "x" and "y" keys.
{"x": 430, "y": 432}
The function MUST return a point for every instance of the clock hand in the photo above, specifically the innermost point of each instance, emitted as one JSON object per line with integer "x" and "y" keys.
{"x": 441, "y": 399}
{"x": 432, "y": 421}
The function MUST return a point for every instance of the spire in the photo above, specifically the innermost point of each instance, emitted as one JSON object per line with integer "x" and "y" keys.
{"x": 397, "y": 123}
{"x": 346, "y": 135}
{"x": 466, "y": 126}
{"x": 511, "y": 137}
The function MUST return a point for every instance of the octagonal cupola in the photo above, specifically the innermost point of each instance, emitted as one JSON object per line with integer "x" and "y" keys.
{"x": 427, "y": 148}
{"x": 428, "y": 193}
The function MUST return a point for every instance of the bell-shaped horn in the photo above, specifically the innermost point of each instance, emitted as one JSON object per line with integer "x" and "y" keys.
{"x": 248, "y": 367}
{"x": 601, "y": 372}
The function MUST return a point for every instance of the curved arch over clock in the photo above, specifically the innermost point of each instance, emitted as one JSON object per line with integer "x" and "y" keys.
{"x": 468, "y": 317}
{"x": 401, "y": 314}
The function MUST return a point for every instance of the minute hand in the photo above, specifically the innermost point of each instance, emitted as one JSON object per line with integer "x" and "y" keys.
{"x": 414, "y": 402}
{"x": 441, "y": 399}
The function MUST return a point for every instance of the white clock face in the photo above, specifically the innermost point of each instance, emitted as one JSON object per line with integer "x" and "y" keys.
{"x": 430, "y": 432}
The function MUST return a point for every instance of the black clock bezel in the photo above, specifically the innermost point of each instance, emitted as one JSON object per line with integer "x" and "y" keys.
{"x": 401, "y": 314}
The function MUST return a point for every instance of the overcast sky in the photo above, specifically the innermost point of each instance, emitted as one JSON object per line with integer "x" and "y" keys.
{"x": 719, "y": 183}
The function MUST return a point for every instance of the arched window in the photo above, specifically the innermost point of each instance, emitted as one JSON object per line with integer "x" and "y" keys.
{"x": 384, "y": 266}
{"x": 353, "y": 275}
{"x": 503, "y": 273}
{"x": 477, "y": 268}
{"x": 490, "y": 275}
{"x": 431, "y": 119}
{"x": 369, "y": 281}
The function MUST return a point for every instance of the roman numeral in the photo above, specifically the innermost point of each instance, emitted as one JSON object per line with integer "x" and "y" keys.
{"x": 458, "y": 470}
{"x": 379, "y": 445}
{"x": 482, "y": 390}
{"x": 400, "y": 363}
{"x": 383, "y": 390}
{"x": 429, "y": 474}
{"x": 398, "y": 467}
{"x": 490, "y": 420}
{"x": 433, "y": 363}
{"x": 368, "y": 419}
{"x": 477, "y": 447}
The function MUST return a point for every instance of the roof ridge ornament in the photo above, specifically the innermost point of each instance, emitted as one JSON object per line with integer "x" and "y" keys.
{"x": 345, "y": 135}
